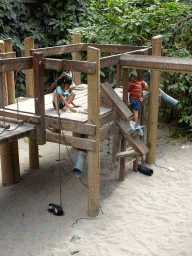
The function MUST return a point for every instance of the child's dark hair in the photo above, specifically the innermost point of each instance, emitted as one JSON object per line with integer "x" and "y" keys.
{"x": 65, "y": 80}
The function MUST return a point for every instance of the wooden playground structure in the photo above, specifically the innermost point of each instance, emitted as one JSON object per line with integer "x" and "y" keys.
{"x": 108, "y": 112}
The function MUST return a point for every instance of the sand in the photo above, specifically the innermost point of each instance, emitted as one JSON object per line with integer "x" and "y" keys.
{"x": 143, "y": 215}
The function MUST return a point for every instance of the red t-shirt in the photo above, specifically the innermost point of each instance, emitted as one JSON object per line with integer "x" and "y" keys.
{"x": 135, "y": 89}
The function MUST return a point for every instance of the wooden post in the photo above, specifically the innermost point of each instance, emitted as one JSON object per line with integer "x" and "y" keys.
{"x": 118, "y": 75}
{"x": 93, "y": 118}
{"x": 123, "y": 141}
{"x": 153, "y": 104}
{"x": 9, "y": 152}
{"x": 11, "y": 99}
{"x": 76, "y": 39}
{"x": 39, "y": 96}
{"x": 29, "y": 79}
{"x": 2, "y": 50}
{"x": 10, "y": 75}
{"x": 29, "y": 85}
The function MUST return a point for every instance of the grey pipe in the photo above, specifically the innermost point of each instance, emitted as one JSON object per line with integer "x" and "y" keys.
{"x": 165, "y": 97}
{"x": 80, "y": 160}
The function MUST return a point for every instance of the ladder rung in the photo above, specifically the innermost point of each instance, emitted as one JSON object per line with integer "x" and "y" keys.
{"x": 127, "y": 153}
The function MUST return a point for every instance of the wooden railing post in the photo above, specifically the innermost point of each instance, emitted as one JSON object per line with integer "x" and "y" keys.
{"x": 39, "y": 96}
{"x": 153, "y": 104}
{"x": 123, "y": 140}
{"x": 93, "y": 118}
{"x": 9, "y": 152}
{"x": 29, "y": 85}
{"x": 76, "y": 39}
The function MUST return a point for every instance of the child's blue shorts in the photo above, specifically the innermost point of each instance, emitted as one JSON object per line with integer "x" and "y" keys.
{"x": 136, "y": 103}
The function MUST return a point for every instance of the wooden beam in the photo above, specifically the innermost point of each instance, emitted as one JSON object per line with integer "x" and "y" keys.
{"x": 106, "y": 132}
{"x": 121, "y": 106}
{"x": 88, "y": 129}
{"x": 57, "y": 50}
{"x": 94, "y": 118}
{"x": 16, "y": 64}
{"x": 154, "y": 104}
{"x": 11, "y": 120}
{"x": 39, "y": 97}
{"x": 158, "y": 63}
{"x": 127, "y": 153}
{"x": 115, "y": 59}
{"x": 112, "y": 48}
{"x": 69, "y": 65}
{"x": 19, "y": 133}
{"x": 76, "y": 39}
{"x": 29, "y": 77}
{"x": 75, "y": 142}
{"x": 8, "y": 55}
{"x": 107, "y": 118}
{"x": 31, "y": 118}
{"x": 135, "y": 142}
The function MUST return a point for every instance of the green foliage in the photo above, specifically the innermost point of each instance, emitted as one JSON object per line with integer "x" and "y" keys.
{"x": 52, "y": 22}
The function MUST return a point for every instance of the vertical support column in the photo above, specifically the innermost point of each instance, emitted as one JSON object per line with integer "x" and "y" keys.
{"x": 118, "y": 75}
{"x": 39, "y": 96}
{"x": 153, "y": 104}
{"x": 123, "y": 141}
{"x": 2, "y": 50}
{"x": 11, "y": 99}
{"x": 29, "y": 85}
{"x": 93, "y": 118}
{"x": 76, "y": 39}
{"x": 9, "y": 151}
{"x": 29, "y": 79}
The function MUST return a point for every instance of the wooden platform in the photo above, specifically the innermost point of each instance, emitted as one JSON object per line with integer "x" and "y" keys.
{"x": 26, "y": 105}
{"x": 74, "y": 122}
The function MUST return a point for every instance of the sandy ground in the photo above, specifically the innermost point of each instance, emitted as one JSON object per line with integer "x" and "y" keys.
{"x": 140, "y": 216}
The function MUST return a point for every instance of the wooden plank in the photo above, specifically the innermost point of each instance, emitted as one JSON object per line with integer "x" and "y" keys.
{"x": 158, "y": 63}
{"x": 112, "y": 48}
{"x": 115, "y": 59}
{"x": 34, "y": 119}
{"x": 135, "y": 142}
{"x": 8, "y": 55}
{"x": 94, "y": 118}
{"x": 88, "y": 129}
{"x": 121, "y": 106}
{"x": 21, "y": 132}
{"x": 57, "y": 50}
{"x": 104, "y": 101}
{"x": 69, "y": 65}
{"x": 75, "y": 142}
{"x": 16, "y": 64}
{"x": 127, "y": 153}
{"x": 11, "y": 120}
{"x": 107, "y": 118}
{"x": 106, "y": 132}
{"x": 110, "y": 61}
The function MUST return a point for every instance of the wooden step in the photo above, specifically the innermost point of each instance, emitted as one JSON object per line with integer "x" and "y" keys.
{"x": 122, "y": 108}
{"x": 127, "y": 153}
{"x": 135, "y": 142}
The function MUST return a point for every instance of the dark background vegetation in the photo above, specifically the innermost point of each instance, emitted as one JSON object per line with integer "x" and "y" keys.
{"x": 52, "y": 22}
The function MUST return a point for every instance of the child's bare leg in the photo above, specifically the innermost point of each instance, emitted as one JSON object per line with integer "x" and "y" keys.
{"x": 135, "y": 113}
{"x": 70, "y": 98}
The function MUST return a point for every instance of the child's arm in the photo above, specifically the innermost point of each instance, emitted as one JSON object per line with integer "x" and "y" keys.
{"x": 66, "y": 104}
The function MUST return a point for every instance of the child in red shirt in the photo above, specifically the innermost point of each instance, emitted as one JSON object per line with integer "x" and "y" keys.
{"x": 135, "y": 88}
